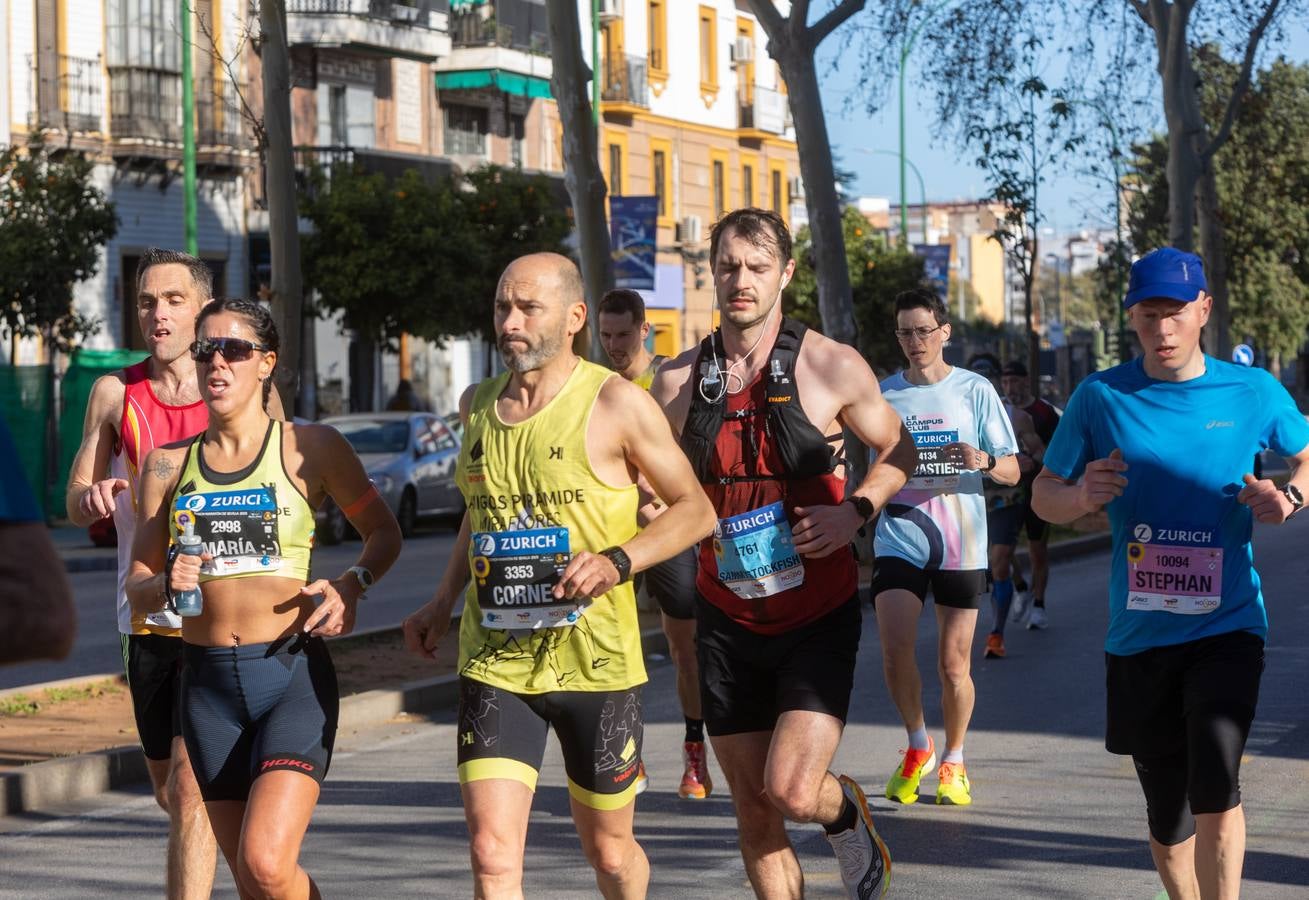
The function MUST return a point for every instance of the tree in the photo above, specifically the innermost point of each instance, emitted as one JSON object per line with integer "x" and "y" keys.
{"x": 877, "y": 272}
{"x": 792, "y": 42}
{"x": 1262, "y": 181}
{"x": 53, "y": 222}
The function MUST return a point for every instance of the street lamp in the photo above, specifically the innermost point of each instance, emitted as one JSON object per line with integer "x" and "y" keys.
{"x": 904, "y": 58}
{"x": 922, "y": 188}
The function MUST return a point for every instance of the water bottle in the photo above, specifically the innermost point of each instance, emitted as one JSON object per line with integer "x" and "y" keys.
{"x": 189, "y": 603}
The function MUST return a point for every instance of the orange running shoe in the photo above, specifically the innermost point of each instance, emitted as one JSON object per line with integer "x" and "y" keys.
{"x": 994, "y": 647}
{"x": 696, "y": 784}
{"x": 903, "y": 786}
{"x": 954, "y": 789}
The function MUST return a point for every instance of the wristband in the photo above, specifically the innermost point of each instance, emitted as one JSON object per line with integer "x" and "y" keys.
{"x": 170, "y": 603}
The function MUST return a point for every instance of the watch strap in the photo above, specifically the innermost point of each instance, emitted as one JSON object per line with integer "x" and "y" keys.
{"x": 363, "y": 576}
{"x": 621, "y": 561}
{"x": 990, "y": 465}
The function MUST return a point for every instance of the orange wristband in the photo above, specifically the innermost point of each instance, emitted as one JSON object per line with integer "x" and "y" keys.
{"x": 362, "y": 503}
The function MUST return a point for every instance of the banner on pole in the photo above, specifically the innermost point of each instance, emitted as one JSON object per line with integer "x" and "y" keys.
{"x": 632, "y": 231}
{"x": 936, "y": 266}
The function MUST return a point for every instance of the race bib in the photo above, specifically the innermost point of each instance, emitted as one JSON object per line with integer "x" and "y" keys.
{"x": 238, "y": 529}
{"x": 515, "y": 572}
{"x": 931, "y": 433}
{"x": 756, "y": 554}
{"x": 1174, "y": 570}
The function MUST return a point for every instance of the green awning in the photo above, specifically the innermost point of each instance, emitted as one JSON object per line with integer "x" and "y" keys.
{"x": 467, "y": 4}
{"x": 509, "y": 82}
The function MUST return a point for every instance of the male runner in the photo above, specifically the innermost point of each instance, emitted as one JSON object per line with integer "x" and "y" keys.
{"x": 933, "y": 535}
{"x": 549, "y": 636}
{"x": 759, "y": 407}
{"x": 129, "y": 413}
{"x": 1006, "y": 506}
{"x": 1165, "y": 442}
{"x": 1045, "y": 418}
{"x": 623, "y": 332}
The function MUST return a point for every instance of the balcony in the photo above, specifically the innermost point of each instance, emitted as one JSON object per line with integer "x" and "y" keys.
{"x": 145, "y": 105}
{"x": 502, "y": 38}
{"x": 412, "y": 30}
{"x": 70, "y": 98}
{"x": 762, "y": 115}
{"x": 624, "y": 87}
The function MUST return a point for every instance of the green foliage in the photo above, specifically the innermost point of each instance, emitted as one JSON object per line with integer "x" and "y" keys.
{"x": 1263, "y": 191}
{"x": 877, "y": 273}
{"x": 422, "y": 258}
{"x": 53, "y": 222}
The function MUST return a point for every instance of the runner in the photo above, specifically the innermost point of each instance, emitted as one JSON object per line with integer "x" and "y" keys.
{"x": 623, "y": 332}
{"x": 777, "y": 609}
{"x": 933, "y": 535}
{"x": 130, "y": 412}
{"x": 549, "y": 635}
{"x": 258, "y": 697}
{"x": 1045, "y": 418}
{"x": 1165, "y": 442}
{"x": 1006, "y": 507}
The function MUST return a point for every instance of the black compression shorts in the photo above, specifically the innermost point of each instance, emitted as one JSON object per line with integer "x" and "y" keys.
{"x": 954, "y": 588}
{"x": 502, "y": 735}
{"x": 258, "y": 708}
{"x": 748, "y": 679}
{"x": 153, "y": 663}
{"x": 672, "y": 584}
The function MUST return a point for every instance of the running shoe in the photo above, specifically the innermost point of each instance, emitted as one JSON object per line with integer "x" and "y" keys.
{"x": 641, "y": 781}
{"x": 696, "y": 784}
{"x": 864, "y": 859}
{"x": 953, "y": 789}
{"x": 903, "y": 786}
{"x": 1020, "y": 583}
{"x": 1037, "y": 619}
{"x": 1018, "y": 606}
{"x": 994, "y": 647}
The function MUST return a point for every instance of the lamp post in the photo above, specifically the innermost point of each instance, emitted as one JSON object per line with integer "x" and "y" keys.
{"x": 922, "y": 188}
{"x": 189, "y": 235}
{"x": 904, "y": 59}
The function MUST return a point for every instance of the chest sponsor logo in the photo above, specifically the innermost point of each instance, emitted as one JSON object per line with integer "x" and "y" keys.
{"x": 257, "y": 499}
{"x": 1219, "y": 423}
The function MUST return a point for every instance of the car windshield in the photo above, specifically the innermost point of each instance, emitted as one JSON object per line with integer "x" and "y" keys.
{"x": 375, "y": 436}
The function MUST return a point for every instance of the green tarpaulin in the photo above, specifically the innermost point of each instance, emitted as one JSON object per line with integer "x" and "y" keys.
{"x": 509, "y": 82}
{"x": 74, "y": 392}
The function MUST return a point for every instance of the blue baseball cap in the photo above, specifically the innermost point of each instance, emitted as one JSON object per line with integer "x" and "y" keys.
{"x": 1166, "y": 274}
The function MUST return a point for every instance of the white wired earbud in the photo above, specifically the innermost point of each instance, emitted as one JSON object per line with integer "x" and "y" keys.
{"x": 726, "y": 377}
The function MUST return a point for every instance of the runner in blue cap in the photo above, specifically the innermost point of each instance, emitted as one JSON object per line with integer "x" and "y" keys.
{"x": 1165, "y": 443}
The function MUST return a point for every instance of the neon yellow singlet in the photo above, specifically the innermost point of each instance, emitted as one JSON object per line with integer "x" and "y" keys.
{"x": 646, "y": 378}
{"x": 253, "y": 522}
{"x": 533, "y": 500}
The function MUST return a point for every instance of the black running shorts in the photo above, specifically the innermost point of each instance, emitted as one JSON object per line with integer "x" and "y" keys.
{"x": 958, "y": 589}
{"x": 153, "y": 663}
{"x": 502, "y": 735}
{"x": 672, "y": 584}
{"x": 748, "y": 679}
{"x": 1002, "y": 524}
{"x": 258, "y": 708}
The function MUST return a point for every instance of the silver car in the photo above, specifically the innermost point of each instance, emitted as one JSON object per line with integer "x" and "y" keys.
{"x": 410, "y": 457}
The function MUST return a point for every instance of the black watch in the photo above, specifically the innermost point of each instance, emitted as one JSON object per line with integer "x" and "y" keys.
{"x": 621, "y": 562}
{"x": 863, "y": 506}
{"x": 991, "y": 464}
{"x": 1292, "y": 494}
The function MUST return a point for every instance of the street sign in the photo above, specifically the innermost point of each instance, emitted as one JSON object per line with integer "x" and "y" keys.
{"x": 1243, "y": 355}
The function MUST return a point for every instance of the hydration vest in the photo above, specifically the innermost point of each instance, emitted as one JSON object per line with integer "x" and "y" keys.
{"x": 802, "y": 449}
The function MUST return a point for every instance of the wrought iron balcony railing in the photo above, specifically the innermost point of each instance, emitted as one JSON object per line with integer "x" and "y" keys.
{"x": 625, "y": 81}
{"x": 67, "y": 95}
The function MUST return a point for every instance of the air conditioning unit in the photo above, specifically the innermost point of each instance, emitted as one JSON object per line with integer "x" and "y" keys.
{"x": 742, "y": 50}
{"x": 796, "y": 187}
{"x": 611, "y": 9}
{"x": 690, "y": 230}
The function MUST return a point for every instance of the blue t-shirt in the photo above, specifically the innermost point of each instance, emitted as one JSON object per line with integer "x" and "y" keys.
{"x": 1182, "y": 565}
{"x": 17, "y": 503}
{"x": 938, "y": 520}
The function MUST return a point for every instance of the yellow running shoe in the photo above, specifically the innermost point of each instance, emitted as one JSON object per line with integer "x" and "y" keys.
{"x": 954, "y": 789}
{"x": 903, "y": 786}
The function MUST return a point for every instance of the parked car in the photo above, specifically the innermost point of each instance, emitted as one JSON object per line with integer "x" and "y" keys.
{"x": 410, "y": 457}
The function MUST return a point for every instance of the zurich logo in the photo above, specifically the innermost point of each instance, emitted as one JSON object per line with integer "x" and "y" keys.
{"x": 195, "y": 502}
{"x": 485, "y": 544}
{"x": 1144, "y": 533}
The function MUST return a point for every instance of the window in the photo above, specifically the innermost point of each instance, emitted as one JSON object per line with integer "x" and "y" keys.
{"x": 658, "y": 36}
{"x": 517, "y": 140}
{"x": 778, "y": 188}
{"x": 747, "y": 183}
{"x": 345, "y": 115}
{"x": 143, "y": 51}
{"x": 745, "y": 71}
{"x": 720, "y": 189}
{"x": 661, "y": 182}
{"x": 465, "y": 130}
{"x": 615, "y": 169}
{"x": 776, "y": 194}
{"x": 661, "y": 179}
{"x": 708, "y": 54}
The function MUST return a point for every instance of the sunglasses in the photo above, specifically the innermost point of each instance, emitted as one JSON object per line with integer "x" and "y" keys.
{"x": 232, "y": 349}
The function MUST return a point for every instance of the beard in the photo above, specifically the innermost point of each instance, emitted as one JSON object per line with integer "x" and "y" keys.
{"x": 520, "y": 355}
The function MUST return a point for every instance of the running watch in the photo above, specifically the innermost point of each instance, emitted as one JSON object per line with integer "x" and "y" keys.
{"x": 862, "y": 505}
{"x": 366, "y": 579}
{"x": 621, "y": 562}
{"x": 1296, "y": 499}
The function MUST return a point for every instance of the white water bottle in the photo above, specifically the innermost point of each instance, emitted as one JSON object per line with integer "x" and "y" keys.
{"x": 189, "y": 603}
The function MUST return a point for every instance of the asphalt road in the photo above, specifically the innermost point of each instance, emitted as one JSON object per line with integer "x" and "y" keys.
{"x": 1054, "y": 815}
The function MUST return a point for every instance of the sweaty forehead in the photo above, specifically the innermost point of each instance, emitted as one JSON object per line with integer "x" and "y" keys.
{"x": 167, "y": 279}
{"x": 526, "y": 286}
{"x": 227, "y": 325}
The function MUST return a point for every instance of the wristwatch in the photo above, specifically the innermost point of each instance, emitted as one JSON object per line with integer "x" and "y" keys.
{"x": 862, "y": 505}
{"x": 365, "y": 577}
{"x": 1292, "y": 494}
{"x": 990, "y": 465}
{"x": 621, "y": 562}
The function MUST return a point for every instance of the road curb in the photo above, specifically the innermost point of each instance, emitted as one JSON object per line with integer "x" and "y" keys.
{"x": 43, "y": 785}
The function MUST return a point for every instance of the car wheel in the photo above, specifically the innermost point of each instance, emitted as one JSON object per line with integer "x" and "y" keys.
{"x": 407, "y": 515}
{"x": 334, "y": 528}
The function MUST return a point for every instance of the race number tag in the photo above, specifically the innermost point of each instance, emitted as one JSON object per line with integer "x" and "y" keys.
{"x": 238, "y": 529}
{"x": 756, "y": 554}
{"x": 931, "y": 433}
{"x": 515, "y": 572}
{"x": 1166, "y": 575}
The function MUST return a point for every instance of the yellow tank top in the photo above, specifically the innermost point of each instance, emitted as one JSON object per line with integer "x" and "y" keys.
{"x": 253, "y": 522}
{"x": 533, "y": 501}
{"x": 646, "y": 378}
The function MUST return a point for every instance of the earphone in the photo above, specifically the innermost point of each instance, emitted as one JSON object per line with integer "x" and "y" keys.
{"x": 718, "y": 375}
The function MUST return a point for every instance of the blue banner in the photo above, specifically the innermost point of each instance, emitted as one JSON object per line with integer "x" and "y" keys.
{"x": 632, "y": 230}
{"x": 936, "y": 266}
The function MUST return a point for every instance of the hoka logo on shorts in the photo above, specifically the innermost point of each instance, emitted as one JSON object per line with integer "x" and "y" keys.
{"x": 257, "y": 499}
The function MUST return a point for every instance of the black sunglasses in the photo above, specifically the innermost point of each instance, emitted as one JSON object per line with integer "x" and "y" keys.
{"x": 233, "y": 349}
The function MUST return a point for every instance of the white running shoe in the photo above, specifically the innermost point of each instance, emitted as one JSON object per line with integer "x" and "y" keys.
{"x": 864, "y": 859}
{"x": 1037, "y": 619}
{"x": 1018, "y": 607}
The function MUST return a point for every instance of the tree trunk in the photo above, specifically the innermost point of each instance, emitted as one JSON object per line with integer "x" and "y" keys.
{"x": 1033, "y": 339}
{"x": 835, "y": 302}
{"x": 582, "y": 175}
{"x": 1213, "y": 248}
{"x": 283, "y": 213}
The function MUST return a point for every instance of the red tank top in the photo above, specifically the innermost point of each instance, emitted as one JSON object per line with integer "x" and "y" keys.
{"x": 745, "y": 448}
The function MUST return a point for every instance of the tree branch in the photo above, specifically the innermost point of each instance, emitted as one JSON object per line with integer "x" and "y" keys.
{"x": 766, "y": 12}
{"x": 1242, "y": 81}
{"x": 833, "y": 20}
{"x": 1142, "y": 8}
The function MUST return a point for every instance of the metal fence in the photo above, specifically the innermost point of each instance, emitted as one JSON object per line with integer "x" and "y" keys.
{"x": 68, "y": 95}
{"x": 145, "y": 104}
{"x": 625, "y": 80}
{"x": 392, "y": 10}
{"x": 517, "y": 24}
